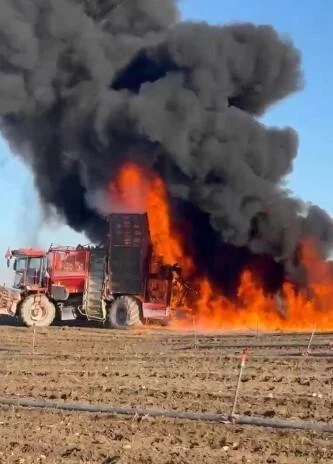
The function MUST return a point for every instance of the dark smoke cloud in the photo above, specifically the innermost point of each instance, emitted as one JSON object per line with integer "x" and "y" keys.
{"x": 87, "y": 84}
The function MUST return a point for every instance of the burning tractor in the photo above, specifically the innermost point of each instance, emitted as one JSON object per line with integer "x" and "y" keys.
{"x": 121, "y": 283}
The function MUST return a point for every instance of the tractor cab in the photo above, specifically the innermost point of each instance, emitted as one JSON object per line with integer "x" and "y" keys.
{"x": 29, "y": 268}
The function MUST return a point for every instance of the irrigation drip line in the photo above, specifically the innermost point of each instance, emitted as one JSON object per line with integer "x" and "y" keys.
{"x": 276, "y": 338}
{"x": 271, "y": 355}
{"x": 252, "y": 334}
{"x": 288, "y": 355}
{"x": 198, "y": 416}
{"x": 210, "y": 346}
{"x": 319, "y": 354}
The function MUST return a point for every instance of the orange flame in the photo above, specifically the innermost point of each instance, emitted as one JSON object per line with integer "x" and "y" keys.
{"x": 137, "y": 189}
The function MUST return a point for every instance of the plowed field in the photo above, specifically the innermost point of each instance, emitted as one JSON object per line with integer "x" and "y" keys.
{"x": 165, "y": 370}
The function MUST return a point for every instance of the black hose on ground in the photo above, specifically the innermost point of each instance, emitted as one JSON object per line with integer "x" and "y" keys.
{"x": 199, "y": 416}
{"x": 210, "y": 346}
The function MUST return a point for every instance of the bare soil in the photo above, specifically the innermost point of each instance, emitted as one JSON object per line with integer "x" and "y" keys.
{"x": 161, "y": 369}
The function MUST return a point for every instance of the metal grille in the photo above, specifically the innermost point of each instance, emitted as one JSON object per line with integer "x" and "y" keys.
{"x": 128, "y": 230}
{"x": 129, "y": 239}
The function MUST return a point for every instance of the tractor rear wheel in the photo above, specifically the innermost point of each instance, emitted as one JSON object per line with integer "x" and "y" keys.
{"x": 37, "y": 310}
{"x": 124, "y": 313}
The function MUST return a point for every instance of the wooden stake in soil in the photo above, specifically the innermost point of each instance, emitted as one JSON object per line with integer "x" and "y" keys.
{"x": 245, "y": 353}
{"x": 194, "y": 323}
{"x": 308, "y": 350}
{"x": 257, "y": 327}
{"x": 33, "y": 340}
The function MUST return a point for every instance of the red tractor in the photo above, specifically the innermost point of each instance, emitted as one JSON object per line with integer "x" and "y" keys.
{"x": 120, "y": 283}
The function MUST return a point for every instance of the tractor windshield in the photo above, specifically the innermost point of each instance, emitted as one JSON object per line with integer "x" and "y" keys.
{"x": 28, "y": 271}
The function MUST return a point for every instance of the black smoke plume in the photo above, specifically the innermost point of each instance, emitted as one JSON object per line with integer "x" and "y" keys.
{"x": 88, "y": 84}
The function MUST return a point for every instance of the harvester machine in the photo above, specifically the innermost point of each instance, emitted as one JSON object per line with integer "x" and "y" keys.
{"x": 120, "y": 283}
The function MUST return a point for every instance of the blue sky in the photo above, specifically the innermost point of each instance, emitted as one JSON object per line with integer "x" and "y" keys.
{"x": 309, "y": 24}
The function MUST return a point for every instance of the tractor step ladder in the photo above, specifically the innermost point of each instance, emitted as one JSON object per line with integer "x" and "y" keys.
{"x": 93, "y": 302}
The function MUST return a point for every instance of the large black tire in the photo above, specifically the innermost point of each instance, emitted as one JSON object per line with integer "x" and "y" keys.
{"x": 37, "y": 310}
{"x": 124, "y": 313}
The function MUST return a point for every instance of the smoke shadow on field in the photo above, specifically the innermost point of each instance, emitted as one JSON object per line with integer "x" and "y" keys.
{"x": 9, "y": 321}
{"x": 82, "y": 323}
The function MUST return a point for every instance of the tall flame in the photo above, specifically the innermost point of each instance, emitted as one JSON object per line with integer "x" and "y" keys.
{"x": 137, "y": 189}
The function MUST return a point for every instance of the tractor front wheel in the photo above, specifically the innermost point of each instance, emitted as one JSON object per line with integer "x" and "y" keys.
{"x": 37, "y": 310}
{"x": 124, "y": 313}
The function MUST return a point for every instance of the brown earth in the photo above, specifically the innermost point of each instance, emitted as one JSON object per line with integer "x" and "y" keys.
{"x": 160, "y": 369}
